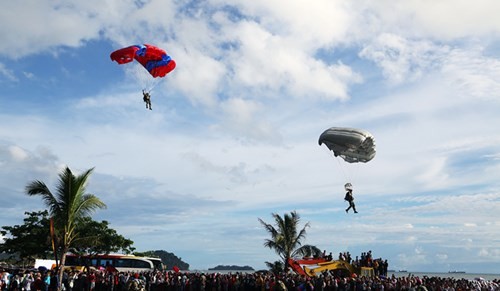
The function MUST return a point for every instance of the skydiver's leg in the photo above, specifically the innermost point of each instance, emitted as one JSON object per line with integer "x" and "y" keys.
{"x": 347, "y": 210}
{"x": 354, "y": 207}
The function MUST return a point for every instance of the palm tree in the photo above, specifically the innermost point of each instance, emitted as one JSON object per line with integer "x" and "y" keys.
{"x": 67, "y": 206}
{"x": 276, "y": 267}
{"x": 286, "y": 240}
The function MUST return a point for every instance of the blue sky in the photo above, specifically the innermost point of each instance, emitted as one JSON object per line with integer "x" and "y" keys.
{"x": 233, "y": 133}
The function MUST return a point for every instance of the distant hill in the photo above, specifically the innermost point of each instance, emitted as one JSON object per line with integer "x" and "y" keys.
{"x": 231, "y": 268}
{"x": 168, "y": 259}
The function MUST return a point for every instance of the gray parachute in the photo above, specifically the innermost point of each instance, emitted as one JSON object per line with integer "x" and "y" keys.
{"x": 351, "y": 144}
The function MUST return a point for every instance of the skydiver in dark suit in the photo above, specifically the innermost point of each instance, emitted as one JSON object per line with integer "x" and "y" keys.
{"x": 349, "y": 198}
{"x": 147, "y": 99}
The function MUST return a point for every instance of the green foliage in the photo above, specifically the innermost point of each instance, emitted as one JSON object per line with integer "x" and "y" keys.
{"x": 67, "y": 206}
{"x": 286, "y": 239}
{"x": 30, "y": 240}
{"x": 168, "y": 259}
{"x": 276, "y": 267}
{"x": 97, "y": 238}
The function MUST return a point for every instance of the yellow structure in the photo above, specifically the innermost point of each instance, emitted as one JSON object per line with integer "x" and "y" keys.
{"x": 329, "y": 266}
{"x": 338, "y": 265}
{"x": 367, "y": 272}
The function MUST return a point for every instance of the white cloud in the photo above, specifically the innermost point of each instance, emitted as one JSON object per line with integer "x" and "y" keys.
{"x": 403, "y": 60}
{"x": 443, "y": 20}
{"x": 51, "y": 24}
{"x": 17, "y": 153}
{"x": 308, "y": 24}
{"x": 435, "y": 175}
{"x": 473, "y": 74}
{"x": 8, "y": 74}
{"x": 199, "y": 77}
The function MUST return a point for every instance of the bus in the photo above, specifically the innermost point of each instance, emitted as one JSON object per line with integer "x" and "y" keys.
{"x": 118, "y": 262}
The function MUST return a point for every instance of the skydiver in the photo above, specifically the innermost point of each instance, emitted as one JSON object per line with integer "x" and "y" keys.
{"x": 147, "y": 99}
{"x": 348, "y": 197}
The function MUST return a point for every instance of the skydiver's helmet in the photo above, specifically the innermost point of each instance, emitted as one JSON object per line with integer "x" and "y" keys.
{"x": 348, "y": 186}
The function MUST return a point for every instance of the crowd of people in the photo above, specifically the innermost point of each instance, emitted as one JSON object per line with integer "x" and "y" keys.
{"x": 103, "y": 280}
{"x": 379, "y": 265}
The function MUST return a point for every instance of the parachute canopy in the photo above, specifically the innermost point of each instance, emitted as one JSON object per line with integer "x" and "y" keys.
{"x": 152, "y": 58}
{"x": 351, "y": 144}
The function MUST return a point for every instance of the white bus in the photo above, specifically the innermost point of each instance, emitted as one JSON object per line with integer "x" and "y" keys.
{"x": 118, "y": 262}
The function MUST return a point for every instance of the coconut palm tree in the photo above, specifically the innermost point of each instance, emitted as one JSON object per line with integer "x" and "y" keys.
{"x": 67, "y": 206}
{"x": 286, "y": 240}
{"x": 276, "y": 268}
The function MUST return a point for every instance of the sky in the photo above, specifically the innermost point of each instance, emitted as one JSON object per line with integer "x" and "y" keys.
{"x": 233, "y": 131}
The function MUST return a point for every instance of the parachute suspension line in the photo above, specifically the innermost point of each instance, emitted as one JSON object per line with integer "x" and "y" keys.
{"x": 153, "y": 84}
{"x": 144, "y": 79}
{"x": 342, "y": 169}
{"x": 354, "y": 173}
{"x": 347, "y": 174}
{"x": 149, "y": 84}
{"x": 340, "y": 164}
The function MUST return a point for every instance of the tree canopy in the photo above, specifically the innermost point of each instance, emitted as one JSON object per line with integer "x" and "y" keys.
{"x": 97, "y": 238}
{"x": 67, "y": 206}
{"x": 30, "y": 240}
{"x": 286, "y": 238}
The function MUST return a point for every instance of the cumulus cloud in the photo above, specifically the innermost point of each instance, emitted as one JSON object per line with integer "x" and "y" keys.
{"x": 402, "y": 60}
{"x": 444, "y": 20}
{"x": 52, "y": 24}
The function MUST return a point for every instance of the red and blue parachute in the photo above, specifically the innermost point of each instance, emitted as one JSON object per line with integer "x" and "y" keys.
{"x": 152, "y": 58}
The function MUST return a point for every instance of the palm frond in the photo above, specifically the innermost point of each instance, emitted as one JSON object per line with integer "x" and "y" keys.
{"x": 38, "y": 188}
{"x": 285, "y": 239}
